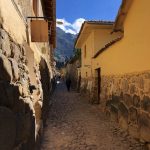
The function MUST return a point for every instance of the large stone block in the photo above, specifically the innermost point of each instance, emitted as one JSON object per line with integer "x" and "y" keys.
{"x": 145, "y": 103}
{"x": 16, "y": 52}
{"x": 134, "y": 131}
{"x": 24, "y": 60}
{"x": 115, "y": 100}
{"x": 133, "y": 115}
{"x": 15, "y": 69}
{"x": 7, "y": 129}
{"x": 132, "y": 89}
{"x": 29, "y": 104}
{"x": 19, "y": 106}
{"x": 123, "y": 115}
{"x": 147, "y": 75}
{"x": 127, "y": 99}
{"x": 144, "y": 124}
{"x": 123, "y": 123}
{"x": 25, "y": 68}
{"x": 136, "y": 101}
{"x": 5, "y": 43}
{"x": 3, "y": 96}
{"x": 23, "y": 127}
{"x": 140, "y": 82}
{"x": 23, "y": 50}
{"x": 38, "y": 111}
{"x": 9, "y": 94}
{"x": 1, "y": 51}
{"x": 25, "y": 120}
{"x": 123, "y": 110}
{"x": 125, "y": 85}
{"x": 25, "y": 89}
{"x": 116, "y": 88}
{"x": 147, "y": 86}
{"x": 114, "y": 113}
{"x": 5, "y": 68}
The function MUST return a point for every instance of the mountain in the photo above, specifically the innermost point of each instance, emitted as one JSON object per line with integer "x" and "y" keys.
{"x": 65, "y": 45}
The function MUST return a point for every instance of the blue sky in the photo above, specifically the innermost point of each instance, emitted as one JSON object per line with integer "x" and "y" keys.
{"x": 73, "y": 12}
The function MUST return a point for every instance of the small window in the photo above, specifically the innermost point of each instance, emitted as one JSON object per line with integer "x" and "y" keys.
{"x": 35, "y": 7}
{"x": 85, "y": 51}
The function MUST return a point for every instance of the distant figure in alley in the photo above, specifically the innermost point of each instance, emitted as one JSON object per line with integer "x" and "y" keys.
{"x": 68, "y": 83}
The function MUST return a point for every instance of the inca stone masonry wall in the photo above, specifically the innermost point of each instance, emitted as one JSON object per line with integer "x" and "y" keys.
{"x": 127, "y": 99}
{"x": 20, "y": 110}
{"x": 25, "y": 73}
{"x": 88, "y": 87}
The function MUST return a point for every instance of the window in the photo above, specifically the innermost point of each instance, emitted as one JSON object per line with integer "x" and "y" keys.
{"x": 35, "y": 7}
{"x": 85, "y": 51}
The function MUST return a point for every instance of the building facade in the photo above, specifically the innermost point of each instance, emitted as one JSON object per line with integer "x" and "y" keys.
{"x": 122, "y": 69}
{"x": 94, "y": 35}
{"x": 27, "y": 39}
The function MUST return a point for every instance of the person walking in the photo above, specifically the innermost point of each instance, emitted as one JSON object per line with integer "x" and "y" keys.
{"x": 68, "y": 83}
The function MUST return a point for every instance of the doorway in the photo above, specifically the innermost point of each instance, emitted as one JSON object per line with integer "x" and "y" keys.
{"x": 98, "y": 84}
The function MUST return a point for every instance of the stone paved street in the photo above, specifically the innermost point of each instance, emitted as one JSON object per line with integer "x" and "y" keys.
{"x": 74, "y": 124}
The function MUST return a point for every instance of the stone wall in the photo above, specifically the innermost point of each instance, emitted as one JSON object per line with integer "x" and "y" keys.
{"x": 21, "y": 102}
{"x": 89, "y": 89}
{"x": 25, "y": 75}
{"x": 126, "y": 98}
{"x": 23, "y": 6}
{"x": 72, "y": 72}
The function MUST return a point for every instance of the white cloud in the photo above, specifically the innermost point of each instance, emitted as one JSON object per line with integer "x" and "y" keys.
{"x": 70, "y": 31}
{"x": 73, "y": 28}
{"x": 77, "y": 24}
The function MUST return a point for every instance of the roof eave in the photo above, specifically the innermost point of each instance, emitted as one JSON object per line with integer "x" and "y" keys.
{"x": 50, "y": 11}
{"x": 107, "y": 46}
{"x": 107, "y": 23}
{"x": 76, "y": 42}
{"x": 121, "y": 16}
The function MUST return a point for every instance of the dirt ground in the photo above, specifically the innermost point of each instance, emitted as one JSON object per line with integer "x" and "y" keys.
{"x": 74, "y": 124}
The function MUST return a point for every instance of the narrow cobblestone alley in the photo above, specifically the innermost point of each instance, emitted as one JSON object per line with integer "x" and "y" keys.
{"x": 74, "y": 124}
